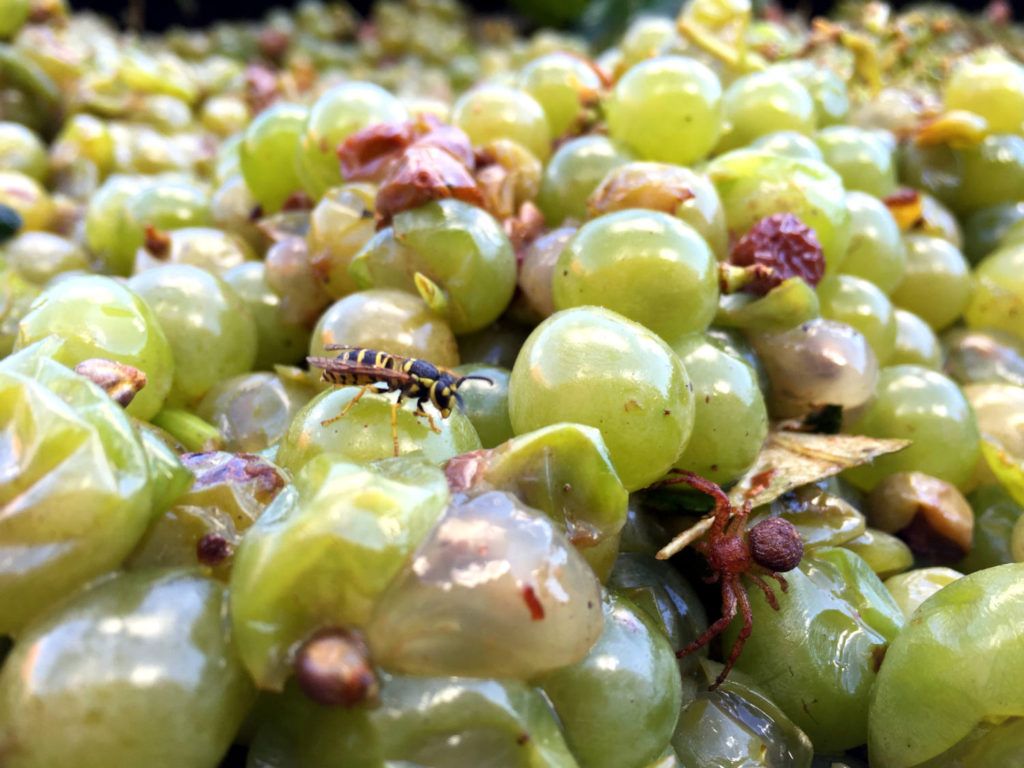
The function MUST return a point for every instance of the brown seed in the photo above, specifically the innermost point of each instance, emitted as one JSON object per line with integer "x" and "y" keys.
{"x": 213, "y": 549}
{"x": 333, "y": 668}
{"x": 121, "y": 382}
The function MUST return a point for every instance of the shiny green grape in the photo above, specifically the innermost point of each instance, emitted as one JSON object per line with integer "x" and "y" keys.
{"x": 365, "y": 432}
{"x": 619, "y": 705}
{"x": 754, "y": 184}
{"x": 863, "y": 160}
{"x": 277, "y": 340}
{"x": 486, "y": 402}
{"x": 538, "y": 608}
{"x": 334, "y": 539}
{"x": 731, "y": 421}
{"x": 828, "y": 89}
{"x": 21, "y": 150}
{"x": 995, "y": 515}
{"x": 645, "y": 265}
{"x": 912, "y": 588}
{"x": 989, "y": 84}
{"x": 136, "y": 670}
{"x": 876, "y": 251}
{"x": 99, "y": 317}
{"x": 392, "y": 321}
{"x": 818, "y": 656}
{"x": 958, "y": 637}
{"x": 985, "y": 229}
{"x": 66, "y": 436}
{"x": 667, "y": 109}
{"x": 490, "y": 112}
{"x": 863, "y": 306}
{"x": 107, "y": 222}
{"x": 336, "y": 115}
{"x": 936, "y": 283}
{"x": 761, "y": 103}
{"x": 916, "y": 342}
{"x": 789, "y": 143}
{"x": 210, "y": 331}
{"x": 210, "y": 249}
{"x": 923, "y": 406}
{"x": 15, "y": 14}
{"x": 997, "y": 292}
{"x": 562, "y": 84}
{"x": 886, "y": 554}
{"x": 40, "y": 256}
{"x": 453, "y": 254}
{"x": 595, "y": 367}
{"x": 573, "y": 173}
{"x": 266, "y": 154}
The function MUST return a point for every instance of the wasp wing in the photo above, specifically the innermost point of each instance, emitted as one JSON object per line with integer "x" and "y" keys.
{"x": 338, "y": 365}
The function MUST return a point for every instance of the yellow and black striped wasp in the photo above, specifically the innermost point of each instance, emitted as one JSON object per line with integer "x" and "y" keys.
{"x": 411, "y": 378}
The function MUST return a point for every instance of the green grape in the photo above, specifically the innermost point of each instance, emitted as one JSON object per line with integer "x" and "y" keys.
{"x": 367, "y": 433}
{"x": 71, "y": 444}
{"x": 989, "y": 84}
{"x": 455, "y": 255}
{"x": 827, "y": 89}
{"x": 14, "y": 14}
{"x": 985, "y": 229}
{"x": 916, "y": 342}
{"x": 790, "y": 144}
{"x": 936, "y": 283}
{"x": 491, "y": 112}
{"x": 876, "y": 250}
{"x": 822, "y": 518}
{"x": 618, "y": 706}
{"x": 731, "y": 421}
{"x": 563, "y": 85}
{"x": 393, "y": 321}
{"x": 336, "y": 115}
{"x": 253, "y": 410}
{"x": 163, "y": 206}
{"x": 645, "y": 265}
{"x": 667, "y": 109}
{"x": 923, "y": 406}
{"x": 337, "y": 536}
{"x": 863, "y": 160}
{"x": 886, "y": 554}
{"x": 671, "y": 189}
{"x": 107, "y": 222}
{"x": 17, "y": 295}
{"x": 98, "y": 317}
{"x": 278, "y": 342}
{"x": 208, "y": 249}
{"x": 136, "y": 670}
{"x": 997, "y": 292}
{"x": 266, "y": 154}
{"x": 443, "y": 721}
{"x": 593, "y": 366}
{"x": 863, "y": 306}
{"x": 486, "y": 404}
{"x": 28, "y": 198}
{"x": 754, "y": 184}
{"x": 764, "y": 102}
{"x": 40, "y": 256}
{"x": 231, "y": 207}
{"x": 210, "y": 331}
{"x": 912, "y": 588}
{"x": 573, "y": 173}
{"x": 995, "y": 517}
{"x": 339, "y": 226}
{"x": 824, "y": 685}
{"x": 21, "y": 150}
{"x": 993, "y": 173}
{"x": 645, "y": 38}
{"x": 954, "y": 671}
{"x": 224, "y": 114}
{"x": 537, "y": 609}
{"x": 87, "y": 136}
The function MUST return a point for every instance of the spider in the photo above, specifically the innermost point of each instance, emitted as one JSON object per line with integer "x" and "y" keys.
{"x": 771, "y": 546}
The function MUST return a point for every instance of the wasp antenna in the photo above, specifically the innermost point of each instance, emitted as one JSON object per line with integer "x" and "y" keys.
{"x": 335, "y": 347}
{"x": 478, "y": 378}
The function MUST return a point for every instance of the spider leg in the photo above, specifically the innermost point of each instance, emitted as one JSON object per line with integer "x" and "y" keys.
{"x": 722, "y": 507}
{"x": 778, "y": 577}
{"x": 728, "y": 612}
{"x": 351, "y": 402}
{"x": 764, "y": 586}
{"x": 737, "y": 592}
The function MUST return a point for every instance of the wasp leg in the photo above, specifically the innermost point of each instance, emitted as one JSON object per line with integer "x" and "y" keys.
{"x": 394, "y": 423}
{"x": 351, "y": 402}
{"x": 430, "y": 419}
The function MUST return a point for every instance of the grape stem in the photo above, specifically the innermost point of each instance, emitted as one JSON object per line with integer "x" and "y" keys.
{"x": 685, "y": 538}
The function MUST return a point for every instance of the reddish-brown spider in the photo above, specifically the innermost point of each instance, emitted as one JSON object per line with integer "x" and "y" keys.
{"x": 771, "y": 546}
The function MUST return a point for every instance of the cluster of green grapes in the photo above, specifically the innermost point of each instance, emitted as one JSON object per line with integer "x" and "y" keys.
{"x": 648, "y": 257}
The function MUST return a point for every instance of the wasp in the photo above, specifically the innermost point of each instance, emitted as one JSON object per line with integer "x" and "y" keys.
{"x": 411, "y": 378}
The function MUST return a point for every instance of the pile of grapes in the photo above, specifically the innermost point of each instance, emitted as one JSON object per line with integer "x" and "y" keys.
{"x": 357, "y": 374}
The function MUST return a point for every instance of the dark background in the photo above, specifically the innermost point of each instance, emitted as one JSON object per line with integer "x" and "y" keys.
{"x": 160, "y": 14}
